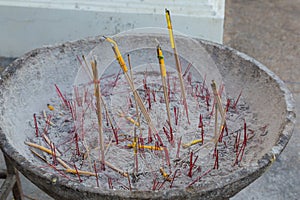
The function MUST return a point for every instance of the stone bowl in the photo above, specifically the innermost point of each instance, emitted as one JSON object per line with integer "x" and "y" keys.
{"x": 27, "y": 85}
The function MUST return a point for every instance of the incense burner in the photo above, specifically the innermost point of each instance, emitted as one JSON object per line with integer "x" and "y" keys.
{"x": 27, "y": 85}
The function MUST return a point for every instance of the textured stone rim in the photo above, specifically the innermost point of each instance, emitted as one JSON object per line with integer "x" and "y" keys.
{"x": 27, "y": 167}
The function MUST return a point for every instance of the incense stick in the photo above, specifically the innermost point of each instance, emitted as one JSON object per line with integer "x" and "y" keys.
{"x": 178, "y": 65}
{"x": 99, "y": 112}
{"x": 191, "y": 143}
{"x": 135, "y": 139}
{"x": 131, "y": 85}
{"x": 163, "y": 73}
{"x": 44, "y": 149}
{"x": 217, "y": 98}
{"x": 218, "y": 107}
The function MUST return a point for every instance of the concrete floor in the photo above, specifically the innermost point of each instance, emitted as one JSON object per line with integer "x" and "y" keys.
{"x": 269, "y": 31}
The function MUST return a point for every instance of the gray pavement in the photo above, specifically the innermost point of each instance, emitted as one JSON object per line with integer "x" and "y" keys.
{"x": 269, "y": 31}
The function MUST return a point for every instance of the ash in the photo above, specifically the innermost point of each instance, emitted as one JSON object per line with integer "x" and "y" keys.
{"x": 181, "y": 153}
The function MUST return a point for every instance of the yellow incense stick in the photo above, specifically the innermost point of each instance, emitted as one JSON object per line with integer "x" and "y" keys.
{"x": 121, "y": 114}
{"x": 165, "y": 174}
{"x": 46, "y": 119}
{"x": 130, "y": 82}
{"x": 146, "y": 147}
{"x": 44, "y": 149}
{"x": 170, "y": 28}
{"x": 191, "y": 143}
{"x": 118, "y": 54}
{"x": 163, "y": 72}
{"x": 50, "y": 107}
{"x": 74, "y": 171}
{"x": 116, "y": 169}
{"x": 178, "y": 65}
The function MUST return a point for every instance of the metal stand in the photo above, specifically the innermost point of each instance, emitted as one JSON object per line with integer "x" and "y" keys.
{"x": 12, "y": 182}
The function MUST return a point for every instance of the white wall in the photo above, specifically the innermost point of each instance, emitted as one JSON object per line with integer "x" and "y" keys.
{"x": 26, "y": 25}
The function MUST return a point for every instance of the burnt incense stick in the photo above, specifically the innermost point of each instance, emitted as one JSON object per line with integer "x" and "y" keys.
{"x": 191, "y": 143}
{"x": 95, "y": 169}
{"x": 135, "y": 138}
{"x": 39, "y": 156}
{"x": 116, "y": 169}
{"x": 44, "y": 149}
{"x": 217, "y": 98}
{"x": 80, "y": 172}
{"x": 128, "y": 118}
{"x": 75, "y": 171}
{"x": 35, "y": 125}
{"x": 216, "y": 122}
{"x": 54, "y": 167}
{"x": 218, "y": 107}
{"x": 237, "y": 100}
{"x": 108, "y": 117}
{"x": 178, "y": 65}
{"x": 63, "y": 99}
{"x": 99, "y": 112}
{"x": 47, "y": 119}
{"x": 157, "y": 148}
{"x": 163, "y": 73}
{"x": 165, "y": 174}
{"x": 50, "y": 107}
{"x": 86, "y": 68}
{"x": 222, "y": 125}
{"x": 131, "y": 85}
